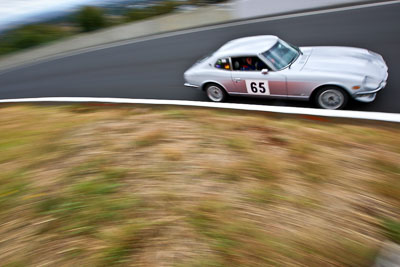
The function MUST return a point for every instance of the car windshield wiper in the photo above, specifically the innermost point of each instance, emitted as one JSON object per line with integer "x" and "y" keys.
{"x": 298, "y": 55}
{"x": 294, "y": 59}
{"x": 297, "y": 49}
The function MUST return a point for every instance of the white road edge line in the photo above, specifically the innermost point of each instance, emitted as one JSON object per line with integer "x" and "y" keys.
{"x": 192, "y": 30}
{"x": 378, "y": 116}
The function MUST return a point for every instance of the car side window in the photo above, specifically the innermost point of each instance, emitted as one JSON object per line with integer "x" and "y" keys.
{"x": 249, "y": 63}
{"x": 223, "y": 63}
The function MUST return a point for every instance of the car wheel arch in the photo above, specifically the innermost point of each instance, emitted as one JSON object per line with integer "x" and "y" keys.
{"x": 334, "y": 100}
{"x": 205, "y": 84}
{"x": 323, "y": 86}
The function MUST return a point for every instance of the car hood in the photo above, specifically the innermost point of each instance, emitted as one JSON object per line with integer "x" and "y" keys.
{"x": 346, "y": 60}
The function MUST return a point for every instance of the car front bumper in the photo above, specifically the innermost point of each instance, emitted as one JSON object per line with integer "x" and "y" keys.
{"x": 369, "y": 96}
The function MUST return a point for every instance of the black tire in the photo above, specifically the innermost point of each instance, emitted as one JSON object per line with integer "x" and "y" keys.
{"x": 331, "y": 98}
{"x": 215, "y": 92}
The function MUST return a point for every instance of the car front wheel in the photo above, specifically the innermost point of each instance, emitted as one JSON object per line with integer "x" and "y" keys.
{"x": 215, "y": 93}
{"x": 331, "y": 98}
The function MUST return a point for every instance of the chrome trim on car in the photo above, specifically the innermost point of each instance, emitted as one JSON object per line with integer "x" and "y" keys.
{"x": 369, "y": 96}
{"x": 368, "y": 92}
{"x": 270, "y": 96}
{"x": 191, "y": 85}
{"x": 366, "y": 98}
{"x": 381, "y": 86}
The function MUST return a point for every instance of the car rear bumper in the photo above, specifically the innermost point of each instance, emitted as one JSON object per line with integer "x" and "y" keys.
{"x": 191, "y": 85}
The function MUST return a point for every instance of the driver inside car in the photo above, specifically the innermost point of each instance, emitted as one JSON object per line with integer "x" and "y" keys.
{"x": 249, "y": 64}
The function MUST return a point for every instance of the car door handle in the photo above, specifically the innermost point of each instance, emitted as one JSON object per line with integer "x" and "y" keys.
{"x": 237, "y": 79}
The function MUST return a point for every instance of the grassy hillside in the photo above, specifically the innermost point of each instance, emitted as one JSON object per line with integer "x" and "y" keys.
{"x": 165, "y": 186}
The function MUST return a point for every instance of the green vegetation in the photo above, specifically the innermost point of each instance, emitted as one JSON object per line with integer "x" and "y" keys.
{"x": 86, "y": 19}
{"x": 29, "y": 36}
{"x": 264, "y": 194}
{"x": 204, "y": 2}
{"x": 237, "y": 143}
{"x": 389, "y": 183}
{"x": 12, "y": 185}
{"x": 119, "y": 186}
{"x": 392, "y": 229}
{"x": 87, "y": 203}
{"x": 90, "y": 18}
{"x": 123, "y": 242}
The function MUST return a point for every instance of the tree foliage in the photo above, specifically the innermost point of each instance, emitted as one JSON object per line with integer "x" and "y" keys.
{"x": 91, "y": 18}
{"x": 205, "y": 2}
{"x": 29, "y": 36}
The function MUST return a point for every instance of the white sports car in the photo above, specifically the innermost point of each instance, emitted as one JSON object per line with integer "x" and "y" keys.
{"x": 266, "y": 66}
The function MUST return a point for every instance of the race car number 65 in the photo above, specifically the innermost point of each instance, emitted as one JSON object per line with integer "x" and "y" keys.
{"x": 257, "y": 87}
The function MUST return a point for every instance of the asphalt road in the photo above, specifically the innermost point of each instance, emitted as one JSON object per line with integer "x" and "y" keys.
{"x": 154, "y": 69}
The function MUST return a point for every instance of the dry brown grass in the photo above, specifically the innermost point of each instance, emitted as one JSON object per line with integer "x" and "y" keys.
{"x": 142, "y": 186}
{"x": 150, "y": 138}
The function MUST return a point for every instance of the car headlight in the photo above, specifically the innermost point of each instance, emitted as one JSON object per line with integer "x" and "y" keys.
{"x": 370, "y": 83}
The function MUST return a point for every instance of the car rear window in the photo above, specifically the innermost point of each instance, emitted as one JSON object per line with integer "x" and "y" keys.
{"x": 223, "y": 63}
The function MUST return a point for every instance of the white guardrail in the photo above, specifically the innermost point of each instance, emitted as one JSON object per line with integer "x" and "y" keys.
{"x": 378, "y": 116}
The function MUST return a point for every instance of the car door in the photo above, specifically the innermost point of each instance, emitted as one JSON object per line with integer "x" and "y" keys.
{"x": 257, "y": 82}
{"x": 221, "y": 73}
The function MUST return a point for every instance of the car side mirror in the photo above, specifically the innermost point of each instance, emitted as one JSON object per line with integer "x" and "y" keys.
{"x": 264, "y": 71}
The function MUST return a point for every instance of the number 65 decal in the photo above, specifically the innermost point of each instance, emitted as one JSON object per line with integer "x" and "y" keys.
{"x": 257, "y": 87}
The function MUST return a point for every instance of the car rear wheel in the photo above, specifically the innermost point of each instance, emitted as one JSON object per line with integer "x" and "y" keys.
{"x": 331, "y": 98}
{"x": 215, "y": 93}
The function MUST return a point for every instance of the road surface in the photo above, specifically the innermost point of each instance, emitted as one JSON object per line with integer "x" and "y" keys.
{"x": 154, "y": 69}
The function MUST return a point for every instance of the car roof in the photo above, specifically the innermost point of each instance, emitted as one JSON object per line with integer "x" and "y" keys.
{"x": 253, "y": 45}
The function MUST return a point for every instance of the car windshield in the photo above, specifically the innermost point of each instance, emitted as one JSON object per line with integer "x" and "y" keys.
{"x": 281, "y": 55}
